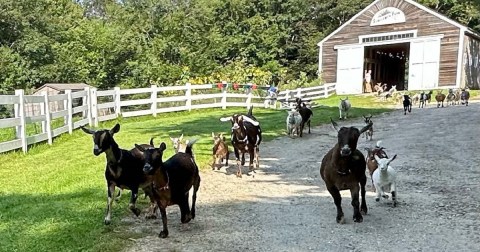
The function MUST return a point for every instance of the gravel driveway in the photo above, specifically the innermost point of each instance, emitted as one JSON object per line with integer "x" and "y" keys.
{"x": 285, "y": 206}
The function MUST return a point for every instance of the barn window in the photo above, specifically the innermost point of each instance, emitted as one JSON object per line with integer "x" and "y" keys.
{"x": 388, "y": 37}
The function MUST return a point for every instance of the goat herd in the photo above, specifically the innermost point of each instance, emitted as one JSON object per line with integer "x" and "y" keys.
{"x": 169, "y": 182}
{"x": 454, "y": 97}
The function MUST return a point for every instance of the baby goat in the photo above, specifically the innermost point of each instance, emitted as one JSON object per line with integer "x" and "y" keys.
{"x": 294, "y": 121}
{"x": 344, "y": 107}
{"x": 369, "y": 132}
{"x": 384, "y": 179}
{"x": 220, "y": 151}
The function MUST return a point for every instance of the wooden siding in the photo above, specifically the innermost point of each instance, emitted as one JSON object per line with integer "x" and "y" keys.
{"x": 416, "y": 19}
{"x": 471, "y": 63}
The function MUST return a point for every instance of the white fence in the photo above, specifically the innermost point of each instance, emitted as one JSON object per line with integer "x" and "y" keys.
{"x": 103, "y": 105}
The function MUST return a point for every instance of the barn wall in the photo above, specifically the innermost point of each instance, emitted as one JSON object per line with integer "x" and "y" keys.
{"x": 471, "y": 63}
{"x": 416, "y": 19}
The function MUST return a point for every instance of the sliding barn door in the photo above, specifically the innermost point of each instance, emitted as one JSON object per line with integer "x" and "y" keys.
{"x": 424, "y": 64}
{"x": 350, "y": 70}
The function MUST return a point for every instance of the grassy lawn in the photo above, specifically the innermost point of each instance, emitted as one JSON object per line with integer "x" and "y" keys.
{"x": 53, "y": 197}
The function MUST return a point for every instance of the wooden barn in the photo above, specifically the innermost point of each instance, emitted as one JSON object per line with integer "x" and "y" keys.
{"x": 54, "y": 89}
{"x": 402, "y": 43}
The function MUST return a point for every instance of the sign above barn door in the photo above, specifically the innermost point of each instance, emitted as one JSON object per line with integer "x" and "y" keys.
{"x": 388, "y": 15}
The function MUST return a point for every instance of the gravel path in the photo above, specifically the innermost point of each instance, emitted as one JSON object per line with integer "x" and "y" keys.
{"x": 285, "y": 206}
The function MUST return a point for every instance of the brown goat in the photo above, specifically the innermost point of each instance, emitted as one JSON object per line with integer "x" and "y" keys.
{"x": 343, "y": 167}
{"x": 245, "y": 138}
{"x": 440, "y": 98}
{"x": 172, "y": 181}
{"x": 370, "y": 159}
{"x": 220, "y": 151}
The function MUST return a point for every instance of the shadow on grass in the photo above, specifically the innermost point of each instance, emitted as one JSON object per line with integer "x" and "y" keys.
{"x": 60, "y": 222}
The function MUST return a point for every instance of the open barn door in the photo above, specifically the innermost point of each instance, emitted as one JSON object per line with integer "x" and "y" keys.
{"x": 350, "y": 70}
{"x": 424, "y": 64}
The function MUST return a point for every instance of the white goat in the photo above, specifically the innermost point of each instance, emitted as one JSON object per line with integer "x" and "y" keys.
{"x": 176, "y": 142}
{"x": 344, "y": 107}
{"x": 294, "y": 119}
{"x": 384, "y": 179}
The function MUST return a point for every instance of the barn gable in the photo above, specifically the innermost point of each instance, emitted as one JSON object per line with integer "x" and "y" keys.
{"x": 398, "y": 27}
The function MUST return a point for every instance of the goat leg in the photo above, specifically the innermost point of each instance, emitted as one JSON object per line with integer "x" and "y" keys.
{"x": 185, "y": 216}
{"x": 357, "y": 216}
{"x": 394, "y": 194}
{"x": 196, "y": 186}
{"x": 133, "y": 200}
{"x": 164, "y": 232}
{"x": 363, "y": 206}
{"x": 226, "y": 158}
{"x": 110, "y": 195}
{"x": 239, "y": 171}
{"x": 337, "y": 199}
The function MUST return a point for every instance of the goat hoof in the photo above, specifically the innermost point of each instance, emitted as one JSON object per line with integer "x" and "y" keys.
{"x": 394, "y": 204}
{"x": 377, "y": 199}
{"x": 358, "y": 219}
{"x": 150, "y": 216}
{"x": 341, "y": 219}
{"x": 136, "y": 211}
{"x": 163, "y": 234}
{"x": 186, "y": 219}
{"x": 106, "y": 222}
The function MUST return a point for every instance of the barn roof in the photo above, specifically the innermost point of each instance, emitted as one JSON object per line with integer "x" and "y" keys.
{"x": 420, "y": 6}
{"x": 64, "y": 86}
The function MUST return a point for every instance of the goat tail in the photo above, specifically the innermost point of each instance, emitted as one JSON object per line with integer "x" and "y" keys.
{"x": 379, "y": 143}
{"x": 250, "y": 111}
{"x": 189, "y": 148}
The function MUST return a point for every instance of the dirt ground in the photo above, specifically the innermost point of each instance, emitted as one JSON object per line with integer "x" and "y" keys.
{"x": 285, "y": 206}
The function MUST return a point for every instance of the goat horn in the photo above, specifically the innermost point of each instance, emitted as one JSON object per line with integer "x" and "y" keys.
{"x": 226, "y": 119}
{"x": 151, "y": 142}
{"x": 248, "y": 119}
{"x": 335, "y": 125}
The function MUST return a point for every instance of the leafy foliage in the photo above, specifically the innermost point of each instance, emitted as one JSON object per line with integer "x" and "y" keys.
{"x": 136, "y": 43}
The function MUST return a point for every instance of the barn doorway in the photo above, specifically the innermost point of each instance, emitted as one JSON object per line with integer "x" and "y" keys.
{"x": 387, "y": 64}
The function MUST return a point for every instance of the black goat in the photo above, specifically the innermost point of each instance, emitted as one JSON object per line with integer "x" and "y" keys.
{"x": 123, "y": 170}
{"x": 465, "y": 96}
{"x": 246, "y": 137}
{"x": 172, "y": 181}
{"x": 306, "y": 114}
{"x": 407, "y": 104}
{"x": 343, "y": 167}
{"x": 369, "y": 132}
{"x": 425, "y": 98}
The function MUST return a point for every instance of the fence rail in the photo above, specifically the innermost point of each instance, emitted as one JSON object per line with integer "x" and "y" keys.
{"x": 102, "y": 105}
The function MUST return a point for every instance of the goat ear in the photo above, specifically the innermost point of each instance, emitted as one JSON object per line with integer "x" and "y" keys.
{"x": 226, "y": 119}
{"x": 180, "y": 138}
{"x": 162, "y": 146}
{"x": 391, "y": 159}
{"x": 140, "y": 148}
{"x": 151, "y": 142}
{"x": 213, "y": 135}
{"x": 88, "y": 131}
{"x": 366, "y": 127}
{"x": 377, "y": 158}
{"x": 115, "y": 129}
{"x": 335, "y": 125}
{"x": 248, "y": 119}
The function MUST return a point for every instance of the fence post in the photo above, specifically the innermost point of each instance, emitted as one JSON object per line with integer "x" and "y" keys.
{"x": 42, "y": 112}
{"x": 117, "y": 102}
{"x": 325, "y": 91}
{"x": 153, "y": 97}
{"x": 93, "y": 103}
{"x": 188, "y": 95}
{"x": 21, "y": 132}
{"x": 249, "y": 98}
{"x": 88, "y": 100}
{"x": 299, "y": 93}
{"x": 69, "y": 108}
{"x": 224, "y": 95}
{"x": 48, "y": 120}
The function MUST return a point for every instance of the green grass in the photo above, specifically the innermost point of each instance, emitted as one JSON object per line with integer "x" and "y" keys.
{"x": 53, "y": 197}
